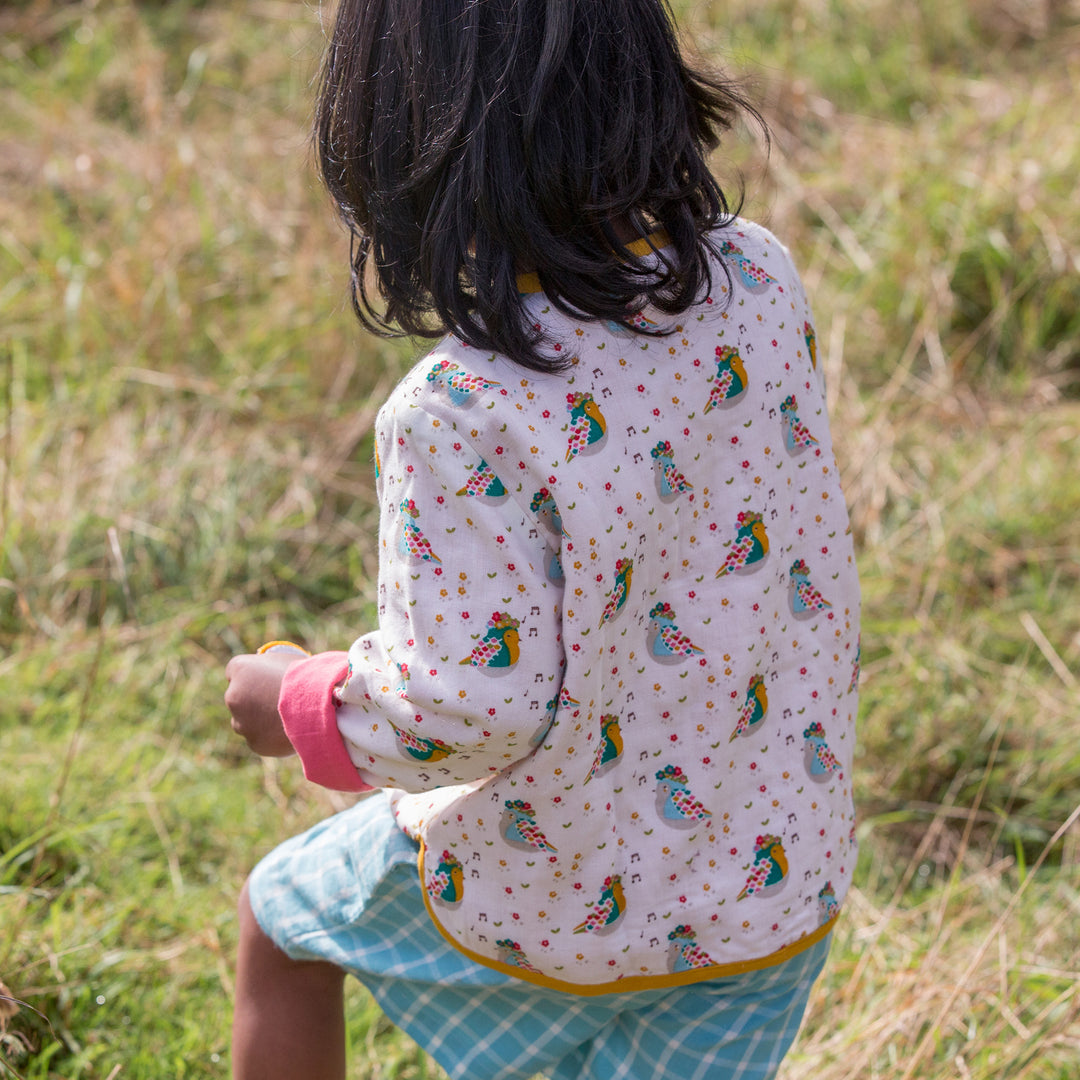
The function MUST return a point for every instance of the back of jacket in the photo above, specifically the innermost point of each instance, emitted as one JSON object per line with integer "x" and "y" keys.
{"x": 615, "y": 677}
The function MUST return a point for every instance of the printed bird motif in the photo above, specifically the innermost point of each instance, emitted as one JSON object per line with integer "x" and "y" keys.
{"x": 670, "y": 483}
{"x": 828, "y": 906}
{"x": 419, "y": 746}
{"x": 411, "y": 540}
{"x": 401, "y": 687}
{"x": 730, "y": 381}
{"x": 461, "y": 387}
{"x": 519, "y": 829}
{"x": 610, "y": 749}
{"x": 606, "y": 911}
{"x": 753, "y": 278}
{"x": 854, "y": 683}
{"x": 754, "y": 708}
{"x": 819, "y": 760}
{"x": 811, "y": 343}
{"x": 588, "y": 428}
{"x": 666, "y": 642}
{"x": 797, "y": 435}
{"x": 750, "y": 546}
{"x": 447, "y": 883}
{"x": 543, "y": 506}
{"x": 638, "y": 320}
{"x": 499, "y": 649}
{"x": 684, "y": 953}
{"x": 675, "y": 802}
{"x": 484, "y": 484}
{"x": 806, "y": 601}
{"x": 510, "y": 953}
{"x": 562, "y": 700}
{"x": 624, "y": 569}
{"x": 770, "y": 868}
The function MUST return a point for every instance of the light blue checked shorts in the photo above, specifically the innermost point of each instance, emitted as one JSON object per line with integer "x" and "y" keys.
{"x": 347, "y": 891}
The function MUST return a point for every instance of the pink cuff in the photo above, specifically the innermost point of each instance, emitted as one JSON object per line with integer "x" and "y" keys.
{"x": 307, "y": 708}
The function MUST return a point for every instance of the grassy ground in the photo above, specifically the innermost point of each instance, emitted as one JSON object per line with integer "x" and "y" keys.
{"x": 185, "y": 411}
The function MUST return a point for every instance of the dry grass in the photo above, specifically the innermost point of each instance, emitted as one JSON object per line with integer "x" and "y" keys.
{"x": 185, "y": 413}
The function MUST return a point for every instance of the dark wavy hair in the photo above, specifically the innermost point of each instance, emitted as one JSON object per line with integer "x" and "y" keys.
{"x": 467, "y": 141}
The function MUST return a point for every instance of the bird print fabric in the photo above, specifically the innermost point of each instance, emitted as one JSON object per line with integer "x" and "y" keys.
{"x": 520, "y": 829}
{"x": 684, "y": 953}
{"x": 446, "y": 884}
{"x": 806, "y": 601}
{"x": 413, "y": 542}
{"x": 500, "y": 649}
{"x": 797, "y": 435}
{"x": 606, "y": 911}
{"x": 675, "y": 802}
{"x": 769, "y": 870}
{"x": 751, "y": 544}
{"x": 730, "y": 381}
{"x": 670, "y": 483}
{"x": 667, "y": 644}
{"x": 611, "y": 687}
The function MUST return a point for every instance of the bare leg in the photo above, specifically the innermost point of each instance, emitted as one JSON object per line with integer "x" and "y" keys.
{"x": 289, "y": 1018}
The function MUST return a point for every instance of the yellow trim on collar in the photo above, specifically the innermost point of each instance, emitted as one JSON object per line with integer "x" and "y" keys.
{"x": 631, "y": 982}
{"x": 530, "y": 282}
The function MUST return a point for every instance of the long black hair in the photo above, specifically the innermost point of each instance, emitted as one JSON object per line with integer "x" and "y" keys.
{"x": 467, "y": 141}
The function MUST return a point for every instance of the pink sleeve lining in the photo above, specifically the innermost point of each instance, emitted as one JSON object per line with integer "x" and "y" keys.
{"x": 307, "y": 708}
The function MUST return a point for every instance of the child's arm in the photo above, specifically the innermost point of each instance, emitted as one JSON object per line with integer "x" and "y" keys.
{"x": 468, "y": 654}
{"x": 252, "y": 699}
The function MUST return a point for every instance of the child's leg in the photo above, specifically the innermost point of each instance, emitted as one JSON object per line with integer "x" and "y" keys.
{"x": 289, "y": 1019}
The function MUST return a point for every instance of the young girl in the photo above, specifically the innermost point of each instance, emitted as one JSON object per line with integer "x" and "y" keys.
{"x": 610, "y": 698}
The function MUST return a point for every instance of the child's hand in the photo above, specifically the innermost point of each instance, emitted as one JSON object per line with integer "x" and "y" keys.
{"x": 252, "y": 699}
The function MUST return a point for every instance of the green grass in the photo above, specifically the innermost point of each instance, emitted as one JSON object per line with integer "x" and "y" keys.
{"x": 185, "y": 444}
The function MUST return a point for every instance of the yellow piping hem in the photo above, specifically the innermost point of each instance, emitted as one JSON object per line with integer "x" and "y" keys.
{"x": 530, "y": 282}
{"x": 631, "y": 982}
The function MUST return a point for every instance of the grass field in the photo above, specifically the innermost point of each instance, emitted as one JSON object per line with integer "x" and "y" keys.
{"x": 185, "y": 413}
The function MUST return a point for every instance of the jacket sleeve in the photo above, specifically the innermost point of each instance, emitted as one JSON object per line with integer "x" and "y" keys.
{"x": 467, "y": 657}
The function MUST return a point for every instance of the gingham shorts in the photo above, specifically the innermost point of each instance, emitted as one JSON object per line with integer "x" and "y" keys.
{"x": 347, "y": 891}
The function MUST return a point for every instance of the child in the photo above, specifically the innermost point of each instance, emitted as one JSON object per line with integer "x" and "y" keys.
{"x": 610, "y": 699}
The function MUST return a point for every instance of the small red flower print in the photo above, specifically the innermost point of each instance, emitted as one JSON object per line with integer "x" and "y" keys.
{"x": 491, "y": 712}
{"x": 544, "y": 944}
{"x": 577, "y": 884}
{"x": 510, "y": 566}
{"x": 500, "y": 539}
{"x": 515, "y": 915}
{"x": 440, "y": 500}
{"x": 611, "y": 963}
{"x": 546, "y": 414}
{"x": 734, "y": 851}
{"x": 551, "y": 479}
{"x": 697, "y": 363}
{"x": 674, "y": 738}
{"x": 672, "y": 878}
{"x": 464, "y": 614}
{"x": 734, "y": 440}
{"x": 682, "y": 899}
{"x": 762, "y": 788}
{"x": 528, "y": 779}
{"x": 457, "y": 446}
{"x": 607, "y": 486}
{"x": 753, "y": 765}
{"x": 641, "y": 388}
{"x": 691, "y": 594}
{"x": 712, "y": 527}
{"x": 824, "y": 551}
{"x": 656, "y": 412}
{"x": 618, "y": 509}
{"x": 576, "y": 647}
{"x": 498, "y": 449}
{"x": 746, "y": 464}
{"x": 408, "y": 468}
{"x": 438, "y": 571}
{"x": 509, "y": 891}
{"x": 706, "y": 761}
